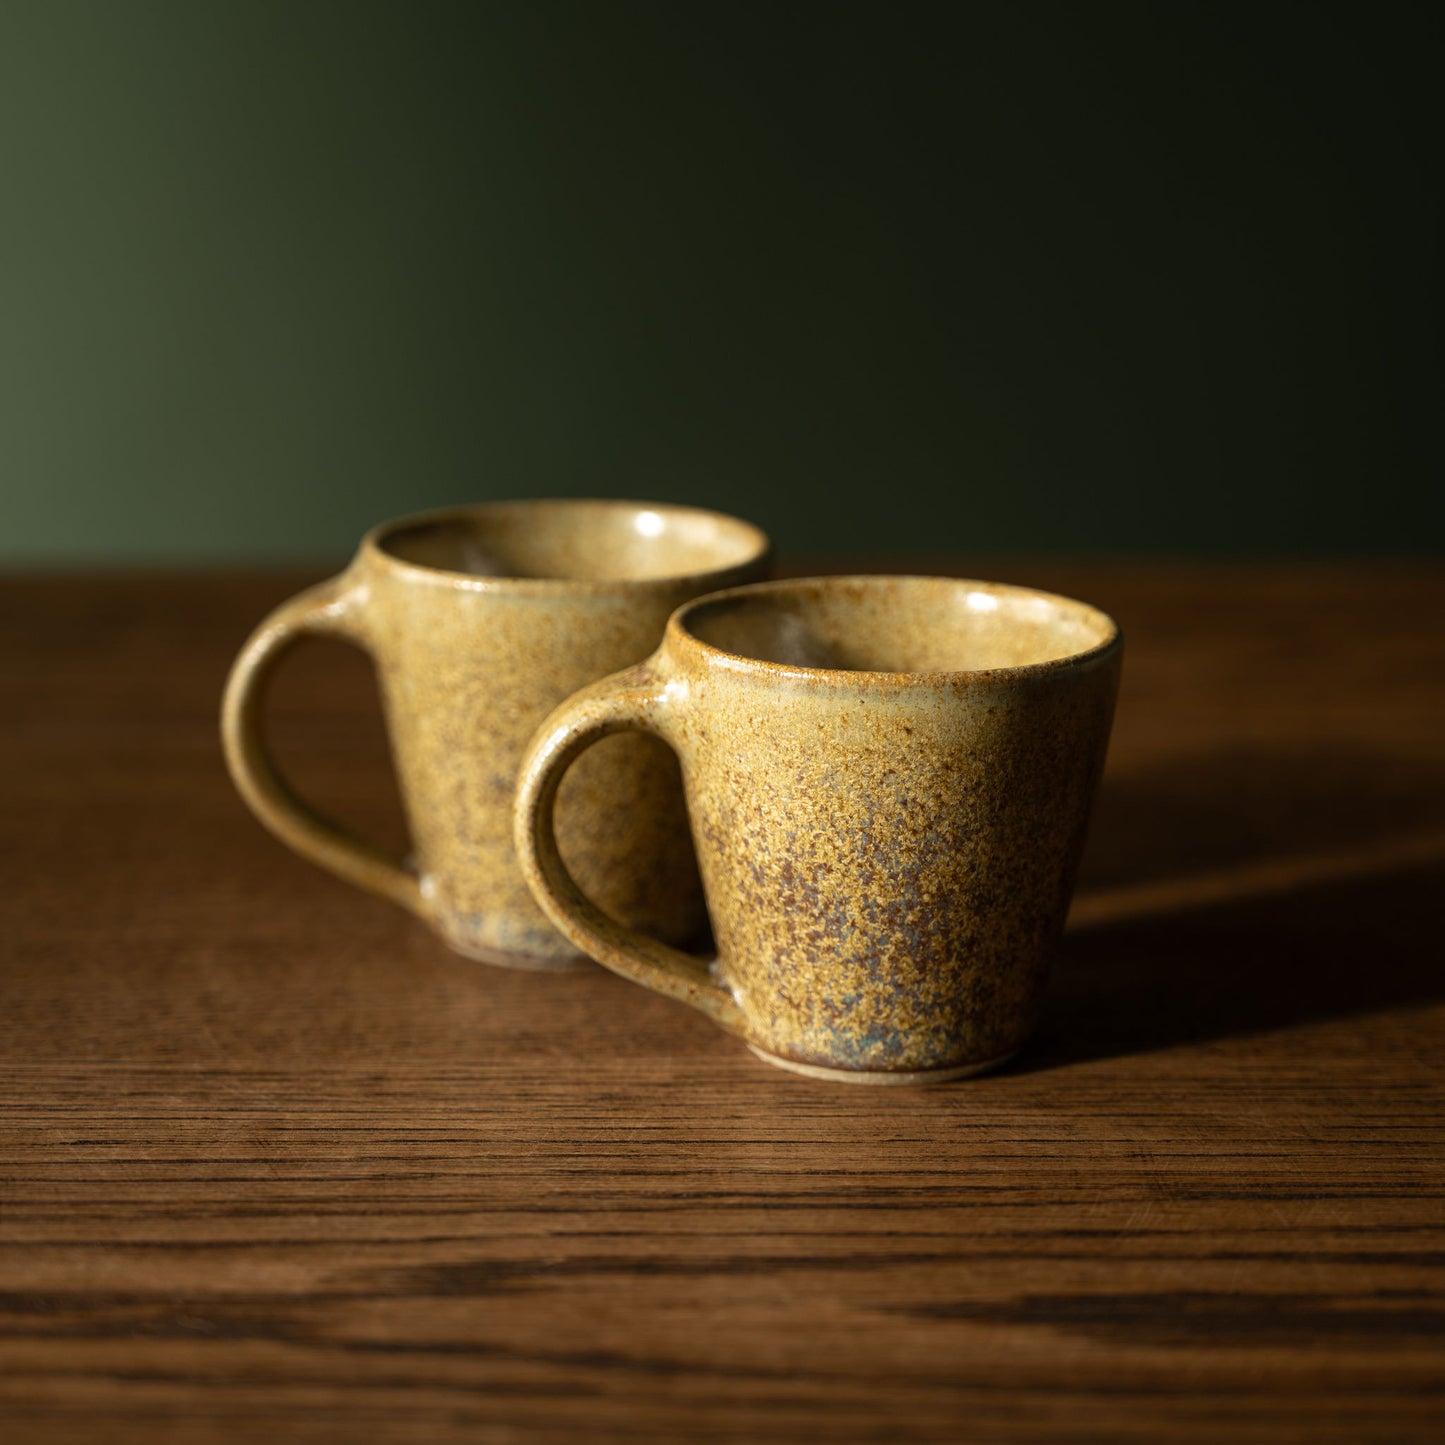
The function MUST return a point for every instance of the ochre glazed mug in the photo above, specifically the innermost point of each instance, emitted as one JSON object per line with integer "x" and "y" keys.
{"x": 889, "y": 780}
{"x": 480, "y": 620}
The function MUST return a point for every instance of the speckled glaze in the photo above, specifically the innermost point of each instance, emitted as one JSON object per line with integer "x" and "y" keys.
{"x": 889, "y": 780}
{"x": 480, "y": 620}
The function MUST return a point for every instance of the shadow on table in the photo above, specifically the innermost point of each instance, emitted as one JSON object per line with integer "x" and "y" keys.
{"x": 1241, "y": 893}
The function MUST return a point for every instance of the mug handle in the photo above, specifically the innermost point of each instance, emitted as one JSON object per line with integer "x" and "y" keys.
{"x": 638, "y": 699}
{"x": 330, "y": 609}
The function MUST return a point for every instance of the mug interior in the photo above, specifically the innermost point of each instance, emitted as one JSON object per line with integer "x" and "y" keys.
{"x": 574, "y": 540}
{"x": 897, "y": 624}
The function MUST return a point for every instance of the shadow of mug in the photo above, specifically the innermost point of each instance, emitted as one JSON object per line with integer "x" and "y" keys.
{"x": 1244, "y": 892}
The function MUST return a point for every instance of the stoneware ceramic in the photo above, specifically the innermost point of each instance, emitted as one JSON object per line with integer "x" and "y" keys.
{"x": 889, "y": 780}
{"x": 481, "y": 620}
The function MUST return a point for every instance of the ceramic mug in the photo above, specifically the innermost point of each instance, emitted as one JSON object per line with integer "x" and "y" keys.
{"x": 889, "y": 780}
{"x": 481, "y": 620}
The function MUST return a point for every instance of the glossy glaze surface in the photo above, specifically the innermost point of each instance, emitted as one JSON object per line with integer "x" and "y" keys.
{"x": 480, "y": 620}
{"x": 889, "y": 781}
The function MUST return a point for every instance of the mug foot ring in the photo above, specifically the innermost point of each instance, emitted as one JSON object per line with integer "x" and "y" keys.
{"x": 881, "y": 1076}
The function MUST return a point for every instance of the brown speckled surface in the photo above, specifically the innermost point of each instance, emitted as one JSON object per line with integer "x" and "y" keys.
{"x": 889, "y": 781}
{"x": 480, "y": 621}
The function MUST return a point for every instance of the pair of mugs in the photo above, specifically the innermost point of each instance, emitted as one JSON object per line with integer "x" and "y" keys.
{"x": 884, "y": 781}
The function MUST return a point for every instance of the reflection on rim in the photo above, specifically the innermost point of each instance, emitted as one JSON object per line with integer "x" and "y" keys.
{"x": 581, "y": 543}
{"x": 898, "y": 629}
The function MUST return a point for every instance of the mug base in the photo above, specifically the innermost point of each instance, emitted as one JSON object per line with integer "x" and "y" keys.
{"x": 526, "y": 962}
{"x": 881, "y": 1076}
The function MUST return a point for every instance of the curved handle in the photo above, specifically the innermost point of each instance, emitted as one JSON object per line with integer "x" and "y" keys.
{"x": 330, "y": 609}
{"x": 637, "y": 698}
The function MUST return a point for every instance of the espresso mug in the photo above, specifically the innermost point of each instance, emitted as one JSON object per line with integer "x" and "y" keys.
{"x": 888, "y": 780}
{"x": 480, "y": 620}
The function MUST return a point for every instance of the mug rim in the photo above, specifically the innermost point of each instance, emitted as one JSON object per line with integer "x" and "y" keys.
{"x": 679, "y": 633}
{"x": 372, "y": 547}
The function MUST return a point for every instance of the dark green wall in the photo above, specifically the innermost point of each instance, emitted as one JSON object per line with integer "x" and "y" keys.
{"x": 1024, "y": 277}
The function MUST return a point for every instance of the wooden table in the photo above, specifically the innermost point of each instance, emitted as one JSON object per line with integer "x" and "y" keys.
{"x": 276, "y": 1165}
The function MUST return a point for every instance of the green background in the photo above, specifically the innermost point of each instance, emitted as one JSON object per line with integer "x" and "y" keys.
{"x": 1031, "y": 278}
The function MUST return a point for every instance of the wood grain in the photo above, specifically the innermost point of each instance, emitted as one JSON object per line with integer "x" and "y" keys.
{"x": 274, "y": 1164}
